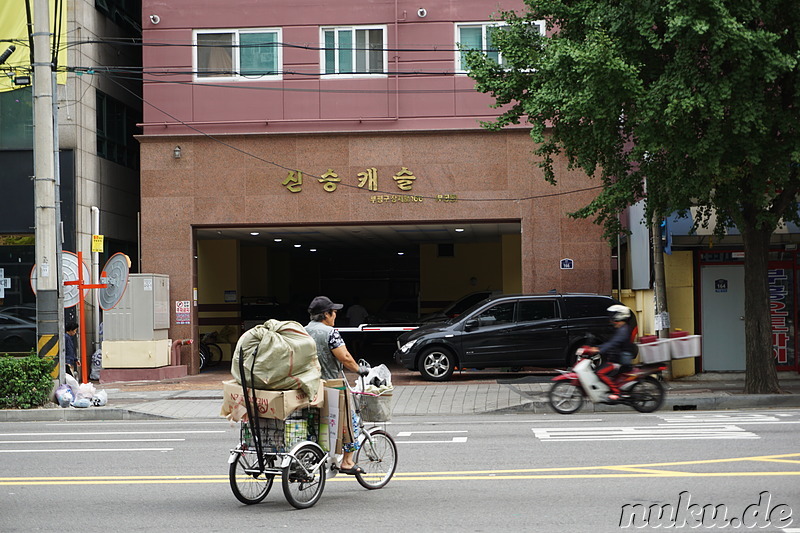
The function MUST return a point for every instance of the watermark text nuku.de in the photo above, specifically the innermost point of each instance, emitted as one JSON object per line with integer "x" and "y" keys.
{"x": 763, "y": 514}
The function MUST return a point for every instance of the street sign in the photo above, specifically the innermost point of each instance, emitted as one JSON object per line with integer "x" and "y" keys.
{"x": 567, "y": 264}
{"x": 97, "y": 244}
{"x": 69, "y": 273}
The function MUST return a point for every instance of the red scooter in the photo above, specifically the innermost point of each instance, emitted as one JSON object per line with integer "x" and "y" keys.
{"x": 640, "y": 387}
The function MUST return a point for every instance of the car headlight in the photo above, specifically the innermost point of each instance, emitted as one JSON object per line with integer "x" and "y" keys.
{"x": 407, "y": 346}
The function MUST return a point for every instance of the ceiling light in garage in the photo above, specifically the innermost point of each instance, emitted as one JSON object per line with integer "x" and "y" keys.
{"x": 254, "y": 233}
{"x": 298, "y": 245}
{"x": 277, "y": 240}
{"x": 459, "y": 230}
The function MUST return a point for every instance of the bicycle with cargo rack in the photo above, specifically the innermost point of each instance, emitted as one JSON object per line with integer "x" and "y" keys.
{"x": 303, "y": 465}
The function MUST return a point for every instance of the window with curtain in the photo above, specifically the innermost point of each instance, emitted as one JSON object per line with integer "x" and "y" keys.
{"x": 353, "y": 51}
{"x": 238, "y": 54}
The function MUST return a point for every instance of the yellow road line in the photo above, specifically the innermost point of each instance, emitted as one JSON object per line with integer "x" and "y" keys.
{"x": 409, "y": 477}
{"x": 777, "y": 461}
{"x": 577, "y": 472}
{"x": 652, "y": 471}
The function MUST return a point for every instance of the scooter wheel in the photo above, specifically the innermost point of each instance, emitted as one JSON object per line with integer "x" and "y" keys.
{"x": 565, "y": 397}
{"x": 647, "y": 395}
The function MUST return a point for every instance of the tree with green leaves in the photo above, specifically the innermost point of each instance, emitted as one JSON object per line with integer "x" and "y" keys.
{"x": 691, "y": 105}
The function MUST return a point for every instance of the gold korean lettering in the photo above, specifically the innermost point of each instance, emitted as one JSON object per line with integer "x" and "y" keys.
{"x": 404, "y": 179}
{"x": 331, "y": 179}
{"x": 368, "y": 178}
{"x": 294, "y": 181}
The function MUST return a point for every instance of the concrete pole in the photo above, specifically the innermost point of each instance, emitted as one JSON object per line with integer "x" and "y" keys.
{"x": 659, "y": 282}
{"x": 660, "y": 287}
{"x": 59, "y": 229}
{"x": 44, "y": 189}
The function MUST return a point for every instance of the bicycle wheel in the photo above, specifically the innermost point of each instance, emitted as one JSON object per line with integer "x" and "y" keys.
{"x": 565, "y": 397}
{"x": 247, "y": 483}
{"x": 214, "y": 354}
{"x": 647, "y": 395}
{"x": 204, "y": 355}
{"x": 302, "y": 481}
{"x": 378, "y": 458}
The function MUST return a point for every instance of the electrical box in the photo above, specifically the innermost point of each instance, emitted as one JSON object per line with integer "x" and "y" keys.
{"x": 143, "y": 312}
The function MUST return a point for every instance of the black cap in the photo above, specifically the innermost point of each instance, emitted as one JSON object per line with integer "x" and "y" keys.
{"x": 320, "y": 304}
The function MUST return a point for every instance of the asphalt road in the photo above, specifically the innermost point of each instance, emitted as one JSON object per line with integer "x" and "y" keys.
{"x": 473, "y": 473}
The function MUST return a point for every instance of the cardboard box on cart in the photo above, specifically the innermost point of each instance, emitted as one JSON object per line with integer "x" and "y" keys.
{"x": 271, "y": 404}
{"x": 335, "y": 415}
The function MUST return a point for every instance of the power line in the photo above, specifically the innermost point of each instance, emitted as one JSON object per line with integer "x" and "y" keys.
{"x": 312, "y": 175}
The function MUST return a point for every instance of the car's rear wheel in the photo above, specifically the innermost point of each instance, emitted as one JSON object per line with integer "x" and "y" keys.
{"x": 436, "y": 364}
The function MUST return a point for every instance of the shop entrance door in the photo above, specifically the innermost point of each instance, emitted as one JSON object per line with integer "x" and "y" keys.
{"x": 723, "y": 317}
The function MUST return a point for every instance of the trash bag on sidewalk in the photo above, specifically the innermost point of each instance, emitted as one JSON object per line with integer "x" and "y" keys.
{"x": 64, "y": 395}
{"x": 97, "y": 365}
{"x": 100, "y": 398}
{"x": 85, "y": 390}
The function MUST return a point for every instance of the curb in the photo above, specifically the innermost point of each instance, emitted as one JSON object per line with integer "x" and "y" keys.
{"x": 72, "y": 414}
{"x": 673, "y": 403}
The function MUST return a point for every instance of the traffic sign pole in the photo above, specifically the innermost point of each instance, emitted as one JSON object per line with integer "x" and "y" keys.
{"x": 81, "y": 315}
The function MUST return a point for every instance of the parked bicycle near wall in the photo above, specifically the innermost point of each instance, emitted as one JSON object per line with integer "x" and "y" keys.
{"x": 210, "y": 352}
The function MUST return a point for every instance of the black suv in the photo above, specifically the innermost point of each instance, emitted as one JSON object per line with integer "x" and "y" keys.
{"x": 509, "y": 330}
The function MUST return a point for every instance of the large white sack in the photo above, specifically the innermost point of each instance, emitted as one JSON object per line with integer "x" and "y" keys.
{"x": 285, "y": 358}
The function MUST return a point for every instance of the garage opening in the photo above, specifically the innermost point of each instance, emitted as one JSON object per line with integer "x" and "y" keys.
{"x": 399, "y": 273}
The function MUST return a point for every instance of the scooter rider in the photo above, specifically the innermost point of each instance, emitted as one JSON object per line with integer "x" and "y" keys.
{"x": 619, "y": 351}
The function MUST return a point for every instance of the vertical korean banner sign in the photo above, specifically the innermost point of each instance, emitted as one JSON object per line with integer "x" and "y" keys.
{"x": 782, "y": 316}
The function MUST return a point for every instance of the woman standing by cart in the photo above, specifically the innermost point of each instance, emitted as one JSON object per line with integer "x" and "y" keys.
{"x": 333, "y": 355}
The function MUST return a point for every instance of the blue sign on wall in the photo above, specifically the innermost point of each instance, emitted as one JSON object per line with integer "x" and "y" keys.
{"x": 721, "y": 285}
{"x": 566, "y": 264}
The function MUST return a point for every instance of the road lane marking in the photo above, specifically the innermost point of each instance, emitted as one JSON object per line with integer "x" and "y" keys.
{"x": 686, "y": 432}
{"x": 84, "y": 433}
{"x": 644, "y": 470}
{"x": 72, "y": 450}
{"x": 732, "y": 418}
{"x": 72, "y": 441}
{"x": 454, "y": 439}
{"x": 443, "y": 432}
{"x": 409, "y": 433}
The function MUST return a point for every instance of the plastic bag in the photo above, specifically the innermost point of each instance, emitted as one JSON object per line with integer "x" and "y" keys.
{"x": 64, "y": 395}
{"x": 82, "y": 402}
{"x": 380, "y": 376}
{"x": 85, "y": 390}
{"x": 97, "y": 365}
{"x": 72, "y": 383}
{"x": 100, "y": 398}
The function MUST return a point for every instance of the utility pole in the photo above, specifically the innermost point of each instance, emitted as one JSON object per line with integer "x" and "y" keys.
{"x": 660, "y": 286}
{"x": 49, "y": 314}
{"x": 659, "y": 282}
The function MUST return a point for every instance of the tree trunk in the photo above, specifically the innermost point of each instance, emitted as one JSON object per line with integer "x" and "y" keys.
{"x": 760, "y": 374}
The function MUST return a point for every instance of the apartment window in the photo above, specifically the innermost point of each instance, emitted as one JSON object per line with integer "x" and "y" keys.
{"x": 243, "y": 54}
{"x": 116, "y": 126}
{"x": 478, "y": 36}
{"x": 354, "y": 51}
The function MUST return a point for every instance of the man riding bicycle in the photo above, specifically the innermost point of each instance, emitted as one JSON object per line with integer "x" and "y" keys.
{"x": 620, "y": 350}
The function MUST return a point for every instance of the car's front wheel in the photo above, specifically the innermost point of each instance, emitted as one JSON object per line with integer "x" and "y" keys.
{"x": 436, "y": 364}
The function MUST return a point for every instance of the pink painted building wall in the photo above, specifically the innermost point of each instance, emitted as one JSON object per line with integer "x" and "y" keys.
{"x": 421, "y": 89}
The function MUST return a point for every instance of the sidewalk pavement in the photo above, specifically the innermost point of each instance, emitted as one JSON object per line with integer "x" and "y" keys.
{"x": 200, "y": 397}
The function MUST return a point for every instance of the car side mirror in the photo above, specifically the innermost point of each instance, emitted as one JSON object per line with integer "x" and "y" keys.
{"x": 471, "y": 324}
